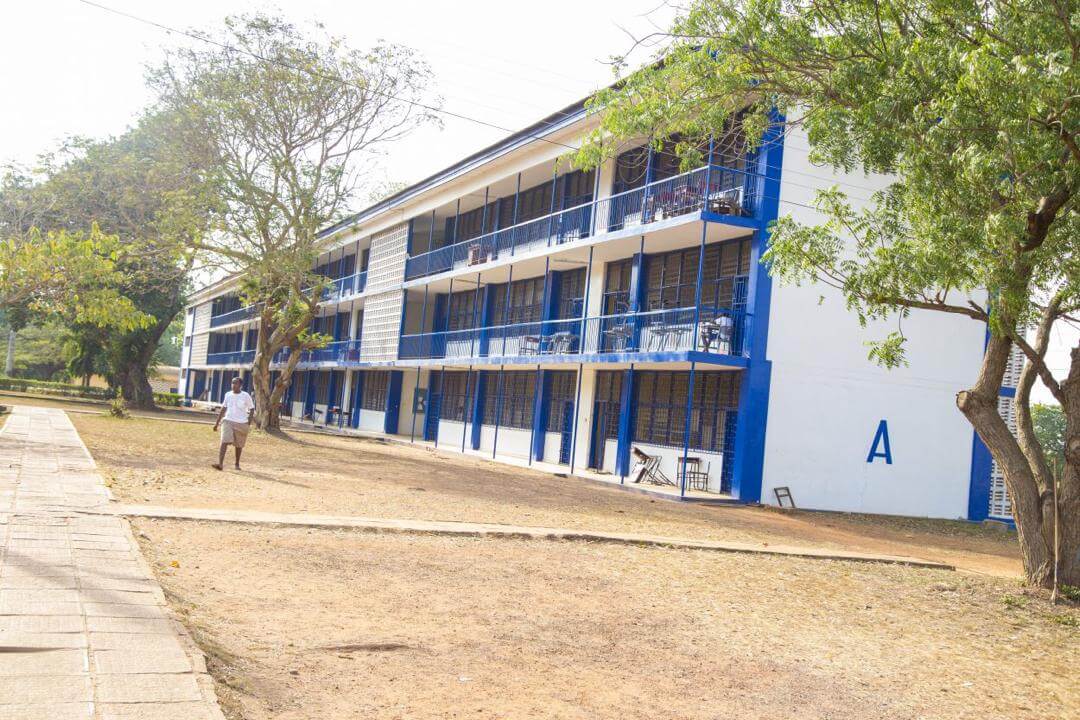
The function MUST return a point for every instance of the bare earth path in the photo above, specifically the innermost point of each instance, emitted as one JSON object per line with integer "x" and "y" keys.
{"x": 84, "y": 629}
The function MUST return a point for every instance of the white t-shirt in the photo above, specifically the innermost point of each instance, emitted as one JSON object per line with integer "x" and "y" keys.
{"x": 237, "y": 406}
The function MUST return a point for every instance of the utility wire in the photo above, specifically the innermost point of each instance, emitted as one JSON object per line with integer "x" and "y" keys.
{"x": 321, "y": 76}
{"x": 414, "y": 103}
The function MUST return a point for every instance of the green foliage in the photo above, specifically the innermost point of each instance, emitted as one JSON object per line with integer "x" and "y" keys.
{"x": 67, "y": 275}
{"x": 42, "y": 387}
{"x": 168, "y": 399}
{"x": 971, "y": 109}
{"x": 1049, "y": 424}
{"x": 116, "y": 406}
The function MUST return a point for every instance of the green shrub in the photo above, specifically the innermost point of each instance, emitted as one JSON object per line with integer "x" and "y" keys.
{"x": 44, "y": 387}
{"x": 167, "y": 398}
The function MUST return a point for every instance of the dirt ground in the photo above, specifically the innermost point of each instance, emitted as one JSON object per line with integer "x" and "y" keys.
{"x": 306, "y": 624}
{"x": 167, "y": 463}
{"x": 302, "y": 624}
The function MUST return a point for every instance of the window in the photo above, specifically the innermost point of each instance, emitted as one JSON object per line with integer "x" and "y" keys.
{"x": 608, "y": 401}
{"x": 571, "y": 294}
{"x": 630, "y": 168}
{"x": 617, "y": 287}
{"x": 457, "y": 391}
{"x": 461, "y": 310}
{"x": 563, "y": 390}
{"x": 322, "y": 388}
{"x": 660, "y": 417}
{"x": 526, "y": 302}
{"x": 471, "y": 224}
{"x": 671, "y": 278}
{"x": 374, "y": 394}
{"x": 518, "y": 391}
{"x": 577, "y": 188}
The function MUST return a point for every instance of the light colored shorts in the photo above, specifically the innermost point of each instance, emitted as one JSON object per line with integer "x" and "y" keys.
{"x": 234, "y": 433}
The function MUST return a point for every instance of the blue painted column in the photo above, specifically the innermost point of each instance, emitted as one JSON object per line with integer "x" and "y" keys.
{"x": 626, "y": 424}
{"x": 488, "y": 306}
{"x": 541, "y": 408}
{"x": 357, "y": 397}
{"x": 393, "y": 403}
{"x": 477, "y": 409}
{"x": 754, "y": 386}
{"x": 637, "y": 294}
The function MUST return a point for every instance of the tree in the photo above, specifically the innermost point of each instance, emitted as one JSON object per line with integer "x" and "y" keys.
{"x": 971, "y": 107}
{"x": 66, "y": 275}
{"x": 291, "y": 122}
{"x": 152, "y": 191}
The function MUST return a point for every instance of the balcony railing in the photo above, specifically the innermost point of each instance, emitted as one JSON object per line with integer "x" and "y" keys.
{"x": 234, "y": 316}
{"x": 235, "y": 357}
{"x": 346, "y": 286}
{"x": 717, "y": 330}
{"x": 339, "y": 351}
{"x": 729, "y": 192}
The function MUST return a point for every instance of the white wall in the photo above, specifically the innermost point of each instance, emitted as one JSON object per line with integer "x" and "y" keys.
{"x": 827, "y": 398}
{"x": 513, "y": 442}
{"x": 372, "y": 420}
{"x": 450, "y": 435}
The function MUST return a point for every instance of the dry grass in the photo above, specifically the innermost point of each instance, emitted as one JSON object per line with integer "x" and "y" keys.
{"x": 166, "y": 463}
{"x": 324, "y": 624}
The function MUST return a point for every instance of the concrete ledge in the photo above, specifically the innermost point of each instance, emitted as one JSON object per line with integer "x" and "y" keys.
{"x": 493, "y": 530}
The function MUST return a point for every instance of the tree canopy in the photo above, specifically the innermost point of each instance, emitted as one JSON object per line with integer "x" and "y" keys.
{"x": 970, "y": 108}
{"x": 292, "y": 120}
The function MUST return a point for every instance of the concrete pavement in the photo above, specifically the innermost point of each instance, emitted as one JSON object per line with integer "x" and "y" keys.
{"x": 84, "y": 628}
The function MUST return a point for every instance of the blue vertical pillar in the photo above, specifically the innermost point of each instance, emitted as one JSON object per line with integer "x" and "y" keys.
{"x": 753, "y": 409}
{"x": 477, "y": 409}
{"x": 626, "y": 424}
{"x": 637, "y": 294}
{"x": 486, "y": 310}
{"x": 541, "y": 407}
{"x": 393, "y": 402}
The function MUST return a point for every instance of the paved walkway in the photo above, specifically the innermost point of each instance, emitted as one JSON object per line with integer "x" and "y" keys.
{"x": 84, "y": 629}
{"x": 436, "y": 527}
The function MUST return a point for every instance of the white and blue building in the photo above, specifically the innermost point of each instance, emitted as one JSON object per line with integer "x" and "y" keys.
{"x": 511, "y": 307}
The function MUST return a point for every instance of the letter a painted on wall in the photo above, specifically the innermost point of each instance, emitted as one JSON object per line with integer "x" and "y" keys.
{"x": 881, "y": 437}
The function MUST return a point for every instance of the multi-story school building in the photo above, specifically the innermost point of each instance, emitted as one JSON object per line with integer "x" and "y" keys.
{"x": 592, "y": 323}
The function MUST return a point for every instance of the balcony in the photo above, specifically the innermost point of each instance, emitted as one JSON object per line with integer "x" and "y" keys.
{"x": 239, "y": 315}
{"x": 345, "y": 287}
{"x": 235, "y": 357}
{"x": 718, "y": 331}
{"x": 717, "y": 190}
{"x": 338, "y": 352}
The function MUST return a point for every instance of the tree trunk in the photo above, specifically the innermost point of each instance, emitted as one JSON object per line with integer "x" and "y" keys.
{"x": 1031, "y": 495}
{"x": 1068, "y": 495}
{"x": 271, "y": 339}
{"x": 138, "y": 394}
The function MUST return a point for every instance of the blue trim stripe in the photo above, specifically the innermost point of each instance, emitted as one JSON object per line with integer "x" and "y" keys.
{"x": 754, "y": 393}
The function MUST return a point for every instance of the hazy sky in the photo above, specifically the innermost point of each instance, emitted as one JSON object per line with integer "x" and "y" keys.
{"x": 69, "y": 68}
{"x": 72, "y": 69}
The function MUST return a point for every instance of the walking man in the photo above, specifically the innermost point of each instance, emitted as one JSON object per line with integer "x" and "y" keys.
{"x": 237, "y": 410}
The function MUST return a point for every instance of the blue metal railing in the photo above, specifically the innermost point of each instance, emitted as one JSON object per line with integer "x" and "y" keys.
{"x": 339, "y": 351}
{"x": 717, "y": 330}
{"x": 233, "y": 316}
{"x": 236, "y": 357}
{"x": 729, "y": 192}
{"x": 346, "y": 286}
